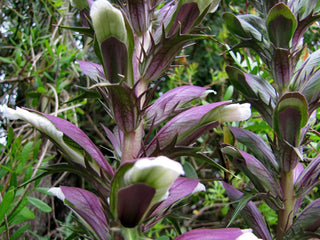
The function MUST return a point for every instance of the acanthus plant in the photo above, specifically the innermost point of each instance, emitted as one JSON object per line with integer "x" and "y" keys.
{"x": 280, "y": 172}
{"x": 136, "y": 42}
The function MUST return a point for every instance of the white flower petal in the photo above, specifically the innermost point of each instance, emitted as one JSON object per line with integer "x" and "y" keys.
{"x": 107, "y": 21}
{"x": 57, "y": 192}
{"x": 247, "y": 235}
{"x": 199, "y": 188}
{"x": 235, "y": 112}
{"x": 45, "y": 126}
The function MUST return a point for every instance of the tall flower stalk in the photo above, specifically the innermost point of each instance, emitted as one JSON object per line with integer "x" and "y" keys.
{"x": 135, "y": 43}
{"x": 286, "y": 105}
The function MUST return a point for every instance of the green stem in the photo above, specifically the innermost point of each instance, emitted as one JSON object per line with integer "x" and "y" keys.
{"x": 132, "y": 144}
{"x": 133, "y": 234}
{"x": 285, "y": 216}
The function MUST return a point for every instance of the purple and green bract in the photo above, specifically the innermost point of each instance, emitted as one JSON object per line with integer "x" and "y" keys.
{"x": 281, "y": 172}
{"x": 135, "y": 43}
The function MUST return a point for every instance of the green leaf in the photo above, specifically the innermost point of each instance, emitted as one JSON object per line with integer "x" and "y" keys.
{"x": 10, "y": 137}
{"x": 18, "y": 233}
{"x": 242, "y": 202}
{"x": 23, "y": 215}
{"x": 281, "y": 24}
{"x": 189, "y": 170}
{"x": 26, "y": 151}
{"x": 42, "y": 206}
{"x": 6, "y": 201}
{"x": 36, "y": 149}
{"x": 6, "y": 60}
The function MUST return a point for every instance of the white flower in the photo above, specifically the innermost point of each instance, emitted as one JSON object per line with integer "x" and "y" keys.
{"x": 45, "y": 126}
{"x": 247, "y": 235}
{"x": 159, "y": 173}
{"x": 57, "y": 192}
{"x": 234, "y": 112}
{"x": 107, "y": 21}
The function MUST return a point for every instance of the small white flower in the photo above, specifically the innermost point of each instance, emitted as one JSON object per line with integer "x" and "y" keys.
{"x": 247, "y": 235}
{"x": 159, "y": 173}
{"x": 57, "y": 192}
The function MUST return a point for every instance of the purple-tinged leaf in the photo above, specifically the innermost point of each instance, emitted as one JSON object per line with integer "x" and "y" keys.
{"x": 297, "y": 172}
{"x": 78, "y": 136}
{"x": 241, "y": 28}
{"x": 302, "y": 27}
{"x": 133, "y": 202}
{"x": 180, "y": 189}
{"x": 184, "y": 19}
{"x": 255, "y": 170}
{"x": 251, "y": 85}
{"x": 309, "y": 178}
{"x": 309, "y": 218}
{"x": 84, "y": 16}
{"x": 217, "y": 234}
{"x": 250, "y": 213}
{"x": 305, "y": 71}
{"x": 172, "y": 103}
{"x": 161, "y": 54}
{"x": 311, "y": 90}
{"x": 282, "y": 67}
{"x": 125, "y": 107}
{"x": 164, "y": 16}
{"x": 257, "y": 146}
{"x": 183, "y": 125}
{"x": 89, "y": 207}
{"x": 92, "y": 70}
{"x": 281, "y": 24}
{"x": 115, "y": 58}
{"x": 290, "y": 117}
{"x": 139, "y": 12}
{"x": 116, "y": 139}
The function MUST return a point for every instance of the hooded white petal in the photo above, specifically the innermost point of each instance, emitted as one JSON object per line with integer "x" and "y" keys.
{"x": 199, "y": 188}
{"x": 234, "y": 112}
{"x": 45, "y": 126}
{"x": 247, "y": 235}
{"x": 107, "y": 21}
{"x": 159, "y": 173}
{"x": 57, "y": 192}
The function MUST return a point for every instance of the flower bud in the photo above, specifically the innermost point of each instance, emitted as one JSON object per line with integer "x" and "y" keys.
{"x": 107, "y": 21}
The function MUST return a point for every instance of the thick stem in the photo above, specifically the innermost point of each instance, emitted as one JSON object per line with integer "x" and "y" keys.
{"x": 285, "y": 216}
{"x": 132, "y": 144}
